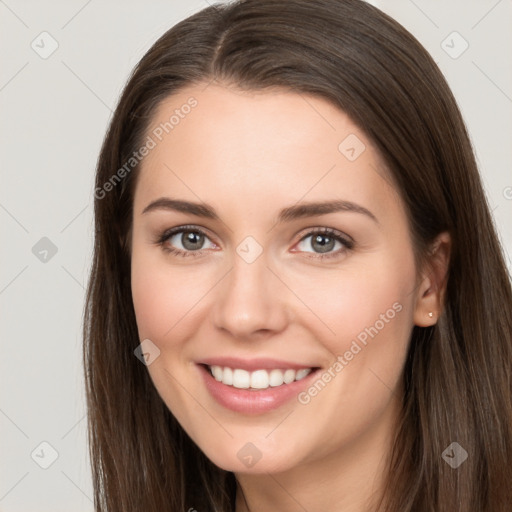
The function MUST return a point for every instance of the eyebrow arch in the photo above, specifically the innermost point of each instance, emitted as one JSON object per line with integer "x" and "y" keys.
{"x": 285, "y": 215}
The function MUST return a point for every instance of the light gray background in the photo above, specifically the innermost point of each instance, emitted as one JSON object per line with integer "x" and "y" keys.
{"x": 54, "y": 114}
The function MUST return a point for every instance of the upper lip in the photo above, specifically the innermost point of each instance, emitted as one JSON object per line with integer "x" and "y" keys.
{"x": 259, "y": 363}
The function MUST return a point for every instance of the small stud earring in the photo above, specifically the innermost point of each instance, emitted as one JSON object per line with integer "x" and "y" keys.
{"x": 431, "y": 314}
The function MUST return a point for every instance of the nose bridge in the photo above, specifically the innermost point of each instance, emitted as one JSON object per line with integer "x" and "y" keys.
{"x": 249, "y": 297}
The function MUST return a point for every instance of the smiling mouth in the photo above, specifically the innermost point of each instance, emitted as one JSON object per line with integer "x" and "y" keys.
{"x": 258, "y": 379}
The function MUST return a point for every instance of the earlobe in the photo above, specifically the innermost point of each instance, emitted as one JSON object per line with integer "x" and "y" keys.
{"x": 431, "y": 291}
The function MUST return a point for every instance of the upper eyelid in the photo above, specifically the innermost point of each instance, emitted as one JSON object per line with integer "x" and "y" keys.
{"x": 304, "y": 233}
{"x": 168, "y": 233}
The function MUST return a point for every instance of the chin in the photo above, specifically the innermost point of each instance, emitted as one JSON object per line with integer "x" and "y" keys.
{"x": 252, "y": 457}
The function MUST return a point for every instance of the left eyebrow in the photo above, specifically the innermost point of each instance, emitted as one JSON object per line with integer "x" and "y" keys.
{"x": 285, "y": 215}
{"x": 311, "y": 209}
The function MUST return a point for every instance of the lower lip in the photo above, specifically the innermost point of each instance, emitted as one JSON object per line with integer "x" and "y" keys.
{"x": 253, "y": 401}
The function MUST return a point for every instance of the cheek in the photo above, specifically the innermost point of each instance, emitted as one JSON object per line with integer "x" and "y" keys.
{"x": 367, "y": 318}
{"x": 371, "y": 314}
{"x": 154, "y": 305}
{"x": 162, "y": 296}
{"x": 163, "y": 302}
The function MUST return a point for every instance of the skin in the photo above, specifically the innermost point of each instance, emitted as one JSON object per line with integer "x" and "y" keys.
{"x": 250, "y": 154}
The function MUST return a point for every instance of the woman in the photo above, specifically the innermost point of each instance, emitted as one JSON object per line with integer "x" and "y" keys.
{"x": 298, "y": 300}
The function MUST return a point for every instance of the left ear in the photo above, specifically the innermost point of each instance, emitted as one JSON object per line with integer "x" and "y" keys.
{"x": 432, "y": 287}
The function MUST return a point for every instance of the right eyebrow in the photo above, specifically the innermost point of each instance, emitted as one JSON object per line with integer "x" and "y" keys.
{"x": 198, "y": 209}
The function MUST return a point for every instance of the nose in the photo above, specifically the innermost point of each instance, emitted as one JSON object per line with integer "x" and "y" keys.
{"x": 251, "y": 301}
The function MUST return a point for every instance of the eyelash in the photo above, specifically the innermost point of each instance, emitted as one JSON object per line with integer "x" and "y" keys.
{"x": 164, "y": 237}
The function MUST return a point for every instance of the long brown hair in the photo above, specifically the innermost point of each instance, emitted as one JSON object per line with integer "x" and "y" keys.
{"x": 457, "y": 376}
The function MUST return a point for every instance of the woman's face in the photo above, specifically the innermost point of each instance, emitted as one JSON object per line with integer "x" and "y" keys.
{"x": 305, "y": 332}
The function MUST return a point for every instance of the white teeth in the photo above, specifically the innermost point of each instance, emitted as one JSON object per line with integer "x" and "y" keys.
{"x": 276, "y": 378}
{"x": 302, "y": 373}
{"x": 241, "y": 379}
{"x": 217, "y": 373}
{"x": 259, "y": 379}
{"x": 227, "y": 376}
{"x": 289, "y": 376}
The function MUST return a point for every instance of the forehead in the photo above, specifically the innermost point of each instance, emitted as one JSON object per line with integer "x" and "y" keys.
{"x": 224, "y": 145}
